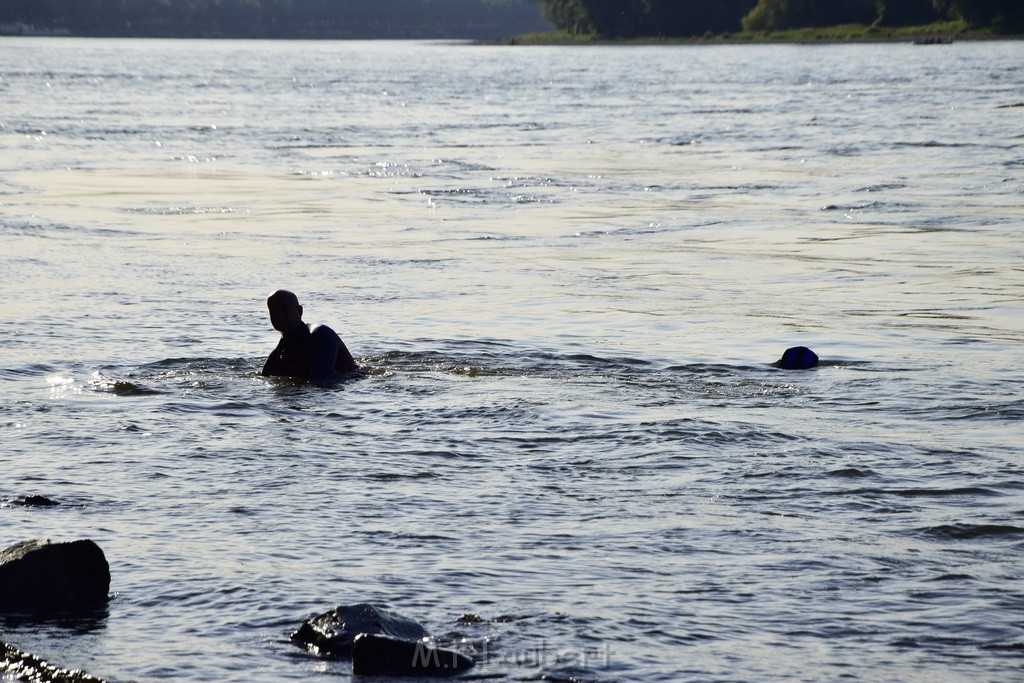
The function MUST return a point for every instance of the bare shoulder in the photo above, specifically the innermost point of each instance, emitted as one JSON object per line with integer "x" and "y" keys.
{"x": 323, "y": 332}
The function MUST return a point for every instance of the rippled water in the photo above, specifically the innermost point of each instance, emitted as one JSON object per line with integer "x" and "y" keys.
{"x": 567, "y": 271}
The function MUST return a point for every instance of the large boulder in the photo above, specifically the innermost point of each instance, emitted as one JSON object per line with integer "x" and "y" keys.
{"x": 331, "y": 634}
{"x": 43, "y": 577}
{"x": 377, "y": 655}
{"x": 16, "y": 665}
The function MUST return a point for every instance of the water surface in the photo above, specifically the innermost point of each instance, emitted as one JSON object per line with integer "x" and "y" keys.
{"x": 567, "y": 272}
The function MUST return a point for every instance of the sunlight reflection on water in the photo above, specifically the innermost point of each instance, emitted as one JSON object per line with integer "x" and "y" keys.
{"x": 567, "y": 271}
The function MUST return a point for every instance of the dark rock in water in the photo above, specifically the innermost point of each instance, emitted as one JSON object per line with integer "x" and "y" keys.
{"x": 36, "y": 501}
{"x": 379, "y": 642}
{"x": 21, "y": 666}
{"x": 797, "y": 358}
{"x": 331, "y": 633}
{"x": 377, "y": 655}
{"x": 43, "y": 577}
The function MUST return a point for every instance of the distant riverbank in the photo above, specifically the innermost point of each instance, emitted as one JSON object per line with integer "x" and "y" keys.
{"x": 937, "y": 33}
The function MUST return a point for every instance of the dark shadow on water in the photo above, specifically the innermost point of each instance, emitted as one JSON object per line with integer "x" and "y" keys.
{"x": 294, "y": 385}
{"x": 74, "y": 623}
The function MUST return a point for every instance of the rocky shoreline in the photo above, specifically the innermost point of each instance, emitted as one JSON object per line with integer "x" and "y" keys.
{"x": 43, "y": 579}
{"x": 21, "y": 666}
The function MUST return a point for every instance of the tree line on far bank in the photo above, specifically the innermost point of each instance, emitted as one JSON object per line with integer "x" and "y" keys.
{"x": 683, "y": 18}
{"x": 274, "y": 18}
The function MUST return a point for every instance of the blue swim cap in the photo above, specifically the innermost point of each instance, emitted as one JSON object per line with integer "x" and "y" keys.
{"x": 797, "y": 358}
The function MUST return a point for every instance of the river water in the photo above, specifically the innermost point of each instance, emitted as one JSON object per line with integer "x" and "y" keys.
{"x": 567, "y": 271}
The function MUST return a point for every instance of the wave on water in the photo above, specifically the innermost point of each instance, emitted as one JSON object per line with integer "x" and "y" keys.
{"x": 571, "y": 277}
{"x": 456, "y": 359}
{"x": 880, "y": 206}
{"x": 672, "y": 465}
{"x": 504, "y": 359}
{"x": 182, "y": 210}
{"x": 971, "y": 532}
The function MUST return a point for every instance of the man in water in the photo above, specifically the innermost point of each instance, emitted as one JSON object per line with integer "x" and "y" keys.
{"x": 312, "y": 352}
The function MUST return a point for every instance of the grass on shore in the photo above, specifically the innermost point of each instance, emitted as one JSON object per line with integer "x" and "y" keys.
{"x": 943, "y": 31}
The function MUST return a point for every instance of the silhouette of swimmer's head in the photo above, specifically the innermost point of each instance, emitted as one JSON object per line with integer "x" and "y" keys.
{"x": 797, "y": 358}
{"x": 285, "y": 311}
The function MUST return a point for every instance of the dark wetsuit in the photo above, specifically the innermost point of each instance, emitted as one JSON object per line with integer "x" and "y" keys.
{"x": 309, "y": 353}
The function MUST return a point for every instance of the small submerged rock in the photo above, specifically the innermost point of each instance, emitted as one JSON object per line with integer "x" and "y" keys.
{"x": 797, "y": 358}
{"x": 34, "y": 501}
{"x": 16, "y": 665}
{"x": 331, "y": 634}
{"x": 42, "y": 577}
{"x": 470, "y": 618}
{"x": 377, "y": 655}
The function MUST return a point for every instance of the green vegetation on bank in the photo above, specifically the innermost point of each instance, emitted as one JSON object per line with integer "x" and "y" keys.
{"x": 588, "y": 20}
{"x": 938, "y": 32}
